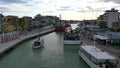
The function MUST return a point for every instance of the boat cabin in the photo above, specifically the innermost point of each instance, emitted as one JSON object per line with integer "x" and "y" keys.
{"x": 37, "y": 43}
{"x": 98, "y": 56}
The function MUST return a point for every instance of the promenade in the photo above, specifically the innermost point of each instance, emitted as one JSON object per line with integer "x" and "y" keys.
{"x": 5, "y": 46}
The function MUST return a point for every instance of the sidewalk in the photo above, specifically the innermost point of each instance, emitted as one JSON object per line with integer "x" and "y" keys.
{"x": 8, "y": 45}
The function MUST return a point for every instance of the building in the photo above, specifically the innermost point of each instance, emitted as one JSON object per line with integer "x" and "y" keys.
{"x": 1, "y": 23}
{"x": 108, "y": 38}
{"x": 116, "y": 25}
{"x": 109, "y": 17}
{"x": 10, "y": 23}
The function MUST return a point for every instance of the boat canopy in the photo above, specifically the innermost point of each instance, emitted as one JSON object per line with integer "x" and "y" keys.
{"x": 97, "y": 53}
{"x": 101, "y": 37}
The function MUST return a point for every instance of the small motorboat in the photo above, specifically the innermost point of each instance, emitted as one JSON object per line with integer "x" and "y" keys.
{"x": 38, "y": 43}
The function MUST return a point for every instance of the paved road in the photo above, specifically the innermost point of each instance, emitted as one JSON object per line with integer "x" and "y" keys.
{"x": 108, "y": 49}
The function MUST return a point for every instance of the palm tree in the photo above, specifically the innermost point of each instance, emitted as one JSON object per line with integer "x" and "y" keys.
{"x": 102, "y": 25}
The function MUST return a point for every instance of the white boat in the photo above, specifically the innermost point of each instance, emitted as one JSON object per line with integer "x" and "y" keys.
{"x": 71, "y": 38}
{"x": 38, "y": 43}
{"x": 97, "y": 58}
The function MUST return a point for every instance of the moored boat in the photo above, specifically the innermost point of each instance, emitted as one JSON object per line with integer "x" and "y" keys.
{"x": 70, "y": 37}
{"x": 59, "y": 28}
{"x": 96, "y": 58}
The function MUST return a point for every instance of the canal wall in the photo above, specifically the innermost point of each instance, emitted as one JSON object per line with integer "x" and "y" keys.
{"x": 9, "y": 45}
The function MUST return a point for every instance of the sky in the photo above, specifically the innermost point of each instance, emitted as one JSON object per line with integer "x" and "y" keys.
{"x": 69, "y": 9}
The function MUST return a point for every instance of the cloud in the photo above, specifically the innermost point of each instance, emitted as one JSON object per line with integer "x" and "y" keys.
{"x": 89, "y": 8}
{"x": 114, "y": 1}
{"x": 65, "y": 8}
{"x": 62, "y": 9}
{"x": 3, "y": 9}
{"x": 13, "y": 1}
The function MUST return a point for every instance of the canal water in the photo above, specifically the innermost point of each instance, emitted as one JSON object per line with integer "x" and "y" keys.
{"x": 53, "y": 55}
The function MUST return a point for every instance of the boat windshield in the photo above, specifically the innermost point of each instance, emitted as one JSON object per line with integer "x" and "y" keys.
{"x": 37, "y": 43}
{"x": 39, "y": 38}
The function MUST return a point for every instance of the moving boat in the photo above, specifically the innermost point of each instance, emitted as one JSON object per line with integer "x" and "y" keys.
{"x": 71, "y": 37}
{"x": 97, "y": 58}
{"x": 38, "y": 43}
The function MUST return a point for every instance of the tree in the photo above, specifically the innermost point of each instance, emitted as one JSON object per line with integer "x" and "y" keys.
{"x": 102, "y": 25}
{"x": 38, "y": 15}
{"x": 21, "y": 23}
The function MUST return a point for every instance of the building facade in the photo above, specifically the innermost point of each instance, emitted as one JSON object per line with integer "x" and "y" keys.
{"x": 10, "y": 23}
{"x": 116, "y": 25}
{"x": 109, "y": 17}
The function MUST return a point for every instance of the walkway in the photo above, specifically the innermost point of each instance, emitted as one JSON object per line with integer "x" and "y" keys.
{"x": 7, "y": 45}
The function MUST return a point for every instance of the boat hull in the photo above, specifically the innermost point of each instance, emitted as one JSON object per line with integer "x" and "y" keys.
{"x": 35, "y": 47}
{"x": 60, "y": 29}
{"x": 90, "y": 63}
{"x": 72, "y": 42}
{"x": 39, "y": 44}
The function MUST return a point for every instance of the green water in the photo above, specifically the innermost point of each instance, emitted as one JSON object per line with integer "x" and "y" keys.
{"x": 53, "y": 55}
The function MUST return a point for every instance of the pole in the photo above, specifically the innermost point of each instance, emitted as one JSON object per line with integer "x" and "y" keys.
{"x": 94, "y": 41}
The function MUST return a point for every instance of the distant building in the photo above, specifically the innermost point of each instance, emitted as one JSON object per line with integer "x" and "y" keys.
{"x": 109, "y": 17}
{"x": 37, "y": 21}
{"x": 40, "y": 21}
{"x": 35, "y": 24}
{"x": 10, "y": 19}
{"x": 116, "y": 25}
{"x": 10, "y": 22}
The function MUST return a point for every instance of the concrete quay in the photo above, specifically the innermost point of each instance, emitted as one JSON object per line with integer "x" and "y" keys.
{"x": 6, "y": 46}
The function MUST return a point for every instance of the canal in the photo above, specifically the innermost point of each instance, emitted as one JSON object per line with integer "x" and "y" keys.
{"x": 53, "y": 55}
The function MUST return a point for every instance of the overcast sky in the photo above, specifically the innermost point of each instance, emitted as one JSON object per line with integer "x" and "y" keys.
{"x": 69, "y": 9}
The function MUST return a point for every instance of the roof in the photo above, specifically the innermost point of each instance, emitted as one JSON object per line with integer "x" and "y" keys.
{"x": 115, "y": 37}
{"x": 95, "y": 31}
{"x": 97, "y": 53}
